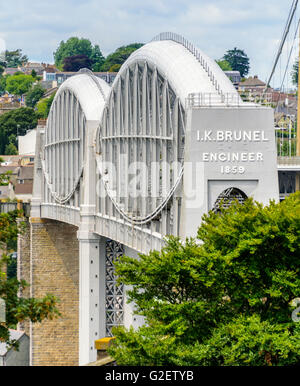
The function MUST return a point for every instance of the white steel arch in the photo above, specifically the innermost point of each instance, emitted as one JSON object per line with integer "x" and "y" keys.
{"x": 141, "y": 119}
{"x": 144, "y": 122}
{"x": 199, "y": 66}
{"x": 80, "y": 99}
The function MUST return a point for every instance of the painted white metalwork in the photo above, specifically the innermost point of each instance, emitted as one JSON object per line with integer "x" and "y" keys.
{"x": 198, "y": 100}
{"x": 143, "y": 122}
{"x": 141, "y": 119}
{"x": 227, "y": 197}
{"x": 202, "y": 59}
{"x": 79, "y": 99}
{"x": 114, "y": 293}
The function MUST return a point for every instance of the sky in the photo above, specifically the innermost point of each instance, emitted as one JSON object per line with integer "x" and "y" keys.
{"x": 256, "y": 26}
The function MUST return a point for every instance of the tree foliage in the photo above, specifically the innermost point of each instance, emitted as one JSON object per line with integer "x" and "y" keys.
{"x": 75, "y": 46}
{"x": 223, "y": 299}
{"x": 97, "y": 59}
{"x": 19, "y": 83}
{"x": 3, "y": 80}
{"x": 44, "y": 106}
{"x": 11, "y": 149}
{"x": 238, "y": 61}
{"x": 295, "y": 72}
{"x": 5, "y": 177}
{"x": 76, "y": 62}
{"x": 13, "y": 123}
{"x": 18, "y": 309}
{"x": 115, "y": 60}
{"x": 225, "y": 66}
{"x": 15, "y": 58}
{"x": 34, "y": 95}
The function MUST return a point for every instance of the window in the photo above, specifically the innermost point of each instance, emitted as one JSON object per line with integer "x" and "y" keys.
{"x": 227, "y": 197}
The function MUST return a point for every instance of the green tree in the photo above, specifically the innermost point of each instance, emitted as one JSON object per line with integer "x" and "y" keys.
{"x": 18, "y": 309}
{"x": 238, "y": 61}
{"x": 34, "y": 95}
{"x": 15, "y": 58}
{"x": 14, "y": 123}
{"x": 115, "y": 68}
{"x": 97, "y": 59}
{"x": 222, "y": 299}
{"x": 19, "y": 84}
{"x": 5, "y": 177}
{"x": 12, "y": 266}
{"x": 233, "y": 344}
{"x": 295, "y": 72}
{"x": 3, "y": 80}
{"x": 11, "y": 149}
{"x": 120, "y": 56}
{"x": 44, "y": 106}
{"x": 225, "y": 66}
{"x": 76, "y": 62}
{"x": 75, "y": 46}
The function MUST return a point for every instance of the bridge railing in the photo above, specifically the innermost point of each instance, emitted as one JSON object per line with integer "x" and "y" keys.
{"x": 229, "y": 99}
{"x": 286, "y": 141}
{"x": 197, "y": 100}
{"x": 198, "y": 55}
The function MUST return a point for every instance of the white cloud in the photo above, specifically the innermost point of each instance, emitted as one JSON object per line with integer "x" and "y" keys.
{"x": 215, "y": 26}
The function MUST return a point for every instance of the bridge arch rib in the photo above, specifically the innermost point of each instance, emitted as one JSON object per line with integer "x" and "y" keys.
{"x": 79, "y": 100}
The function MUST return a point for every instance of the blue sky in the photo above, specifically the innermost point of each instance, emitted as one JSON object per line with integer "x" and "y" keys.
{"x": 256, "y": 26}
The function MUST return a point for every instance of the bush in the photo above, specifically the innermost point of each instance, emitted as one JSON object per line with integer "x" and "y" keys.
{"x": 223, "y": 300}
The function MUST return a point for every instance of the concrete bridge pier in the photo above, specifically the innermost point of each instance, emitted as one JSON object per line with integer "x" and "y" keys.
{"x": 91, "y": 294}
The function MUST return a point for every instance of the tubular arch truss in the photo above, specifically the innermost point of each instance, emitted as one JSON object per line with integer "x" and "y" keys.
{"x": 198, "y": 55}
{"x": 143, "y": 122}
{"x": 79, "y": 99}
{"x": 62, "y": 160}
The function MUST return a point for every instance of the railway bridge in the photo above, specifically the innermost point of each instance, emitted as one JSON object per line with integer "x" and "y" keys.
{"x": 119, "y": 168}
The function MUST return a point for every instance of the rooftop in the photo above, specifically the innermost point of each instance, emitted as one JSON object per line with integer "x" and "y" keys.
{"x": 24, "y": 188}
{"x": 253, "y": 82}
{"x": 26, "y": 173}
